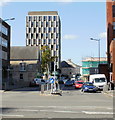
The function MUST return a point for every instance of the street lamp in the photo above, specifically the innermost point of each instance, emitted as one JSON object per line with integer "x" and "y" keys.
{"x": 9, "y": 19}
{"x": 98, "y": 40}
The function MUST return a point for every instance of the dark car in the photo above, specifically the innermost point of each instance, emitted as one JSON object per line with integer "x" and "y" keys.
{"x": 69, "y": 83}
{"x": 89, "y": 87}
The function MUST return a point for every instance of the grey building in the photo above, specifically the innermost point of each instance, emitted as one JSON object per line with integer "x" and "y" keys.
{"x": 43, "y": 28}
{"x": 4, "y": 51}
{"x": 25, "y": 64}
{"x": 70, "y": 69}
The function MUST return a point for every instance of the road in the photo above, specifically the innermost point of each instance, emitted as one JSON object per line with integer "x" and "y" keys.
{"x": 29, "y": 103}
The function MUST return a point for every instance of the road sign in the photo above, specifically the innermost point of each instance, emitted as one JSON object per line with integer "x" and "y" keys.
{"x": 51, "y": 80}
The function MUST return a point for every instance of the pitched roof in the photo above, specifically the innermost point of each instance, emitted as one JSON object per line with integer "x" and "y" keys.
{"x": 65, "y": 64}
{"x": 24, "y": 52}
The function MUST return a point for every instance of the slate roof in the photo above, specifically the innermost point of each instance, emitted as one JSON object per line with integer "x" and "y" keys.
{"x": 65, "y": 64}
{"x": 24, "y": 52}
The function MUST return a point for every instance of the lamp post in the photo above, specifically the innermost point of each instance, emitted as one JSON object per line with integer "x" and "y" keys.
{"x": 98, "y": 40}
{"x": 9, "y": 19}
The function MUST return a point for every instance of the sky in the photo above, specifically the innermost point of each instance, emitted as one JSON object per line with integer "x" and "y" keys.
{"x": 79, "y": 22}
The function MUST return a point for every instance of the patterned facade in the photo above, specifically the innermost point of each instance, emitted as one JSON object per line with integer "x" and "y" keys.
{"x": 43, "y": 29}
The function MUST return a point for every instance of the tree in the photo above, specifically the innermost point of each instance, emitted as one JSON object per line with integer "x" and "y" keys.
{"x": 46, "y": 59}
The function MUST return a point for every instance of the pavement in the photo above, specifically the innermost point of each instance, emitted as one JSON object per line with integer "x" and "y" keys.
{"x": 109, "y": 93}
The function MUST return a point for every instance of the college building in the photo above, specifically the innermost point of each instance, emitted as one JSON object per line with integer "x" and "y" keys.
{"x": 43, "y": 28}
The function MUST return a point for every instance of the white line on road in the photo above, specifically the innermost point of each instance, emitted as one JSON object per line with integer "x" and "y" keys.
{"x": 88, "y": 112}
{"x": 92, "y": 107}
{"x": 5, "y": 115}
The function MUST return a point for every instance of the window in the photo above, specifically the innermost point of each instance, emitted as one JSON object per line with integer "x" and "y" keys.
{"x": 49, "y": 41}
{"x": 39, "y": 41}
{"x": 56, "y": 35}
{"x": 4, "y": 42}
{"x": 4, "y": 55}
{"x": 21, "y": 76}
{"x": 44, "y": 30}
{"x": 52, "y": 24}
{"x": 29, "y": 41}
{"x": 32, "y": 24}
{"x": 27, "y": 24}
{"x": 51, "y": 35}
{"x": 37, "y": 24}
{"x": 113, "y": 9}
{"x": 54, "y": 18}
{"x": 44, "y": 18}
{"x": 46, "y": 35}
{"x": 4, "y": 30}
{"x": 31, "y": 36}
{"x": 54, "y": 41}
{"x": 49, "y": 18}
{"x": 57, "y": 24}
{"x": 34, "y": 18}
{"x": 29, "y": 18}
{"x": 27, "y": 35}
{"x": 49, "y": 29}
{"x": 46, "y": 24}
{"x": 34, "y": 41}
{"x": 40, "y": 18}
{"x": 29, "y": 30}
{"x": 51, "y": 47}
{"x": 56, "y": 47}
{"x": 114, "y": 32}
{"x": 22, "y": 66}
{"x": 41, "y": 24}
{"x": 34, "y": 30}
{"x": 54, "y": 29}
{"x": 36, "y": 35}
{"x": 42, "y": 35}
{"x": 39, "y": 30}
{"x": 44, "y": 41}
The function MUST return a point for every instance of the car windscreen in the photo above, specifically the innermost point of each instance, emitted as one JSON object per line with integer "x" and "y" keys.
{"x": 100, "y": 80}
{"x": 89, "y": 84}
{"x": 79, "y": 82}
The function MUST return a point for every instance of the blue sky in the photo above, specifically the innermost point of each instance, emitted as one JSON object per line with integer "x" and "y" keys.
{"x": 79, "y": 22}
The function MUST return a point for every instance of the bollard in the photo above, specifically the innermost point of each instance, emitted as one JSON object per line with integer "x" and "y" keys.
{"x": 42, "y": 88}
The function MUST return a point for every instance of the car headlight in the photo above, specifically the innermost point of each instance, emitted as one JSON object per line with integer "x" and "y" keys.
{"x": 86, "y": 87}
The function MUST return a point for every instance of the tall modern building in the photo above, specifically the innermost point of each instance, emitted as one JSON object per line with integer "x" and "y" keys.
{"x": 43, "y": 28}
{"x": 4, "y": 50}
{"x": 111, "y": 38}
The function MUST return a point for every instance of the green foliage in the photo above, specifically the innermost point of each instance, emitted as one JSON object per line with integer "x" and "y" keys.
{"x": 46, "y": 58}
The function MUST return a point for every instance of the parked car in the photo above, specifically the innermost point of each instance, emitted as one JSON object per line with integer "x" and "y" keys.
{"x": 78, "y": 84}
{"x": 88, "y": 87}
{"x": 69, "y": 83}
{"x": 37, "y": 82}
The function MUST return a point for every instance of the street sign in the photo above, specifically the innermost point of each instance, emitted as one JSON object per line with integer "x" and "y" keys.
{"x": 51, "y": 80}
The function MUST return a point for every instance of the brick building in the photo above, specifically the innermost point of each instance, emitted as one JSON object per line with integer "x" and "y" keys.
{"x": 110, "y": 4}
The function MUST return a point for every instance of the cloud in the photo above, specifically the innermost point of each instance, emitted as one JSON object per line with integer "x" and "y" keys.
{"x": 70, "y": 37}
{"x": 103, "y": 35}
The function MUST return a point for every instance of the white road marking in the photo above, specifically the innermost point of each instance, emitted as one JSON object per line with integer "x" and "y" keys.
{"x": 5, "y": 115}
{"x": 88, "y": 112}
{"x": 92, "y": 107}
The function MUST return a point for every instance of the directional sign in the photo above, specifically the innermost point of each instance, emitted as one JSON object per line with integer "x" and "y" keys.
{"x": 51, "y": 80}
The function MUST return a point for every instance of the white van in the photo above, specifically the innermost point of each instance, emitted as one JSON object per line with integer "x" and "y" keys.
{"x": 99, "y": 80}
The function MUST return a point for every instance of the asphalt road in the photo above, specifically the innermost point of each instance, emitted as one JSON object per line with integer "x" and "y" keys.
{"x": 29, "y": 103}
